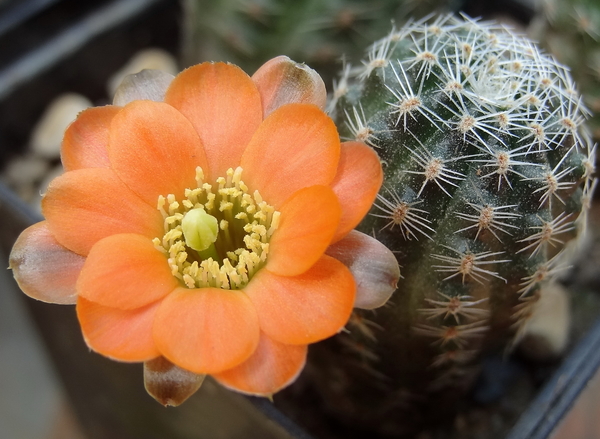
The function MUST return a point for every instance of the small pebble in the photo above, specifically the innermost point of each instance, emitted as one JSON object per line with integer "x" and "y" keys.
{"x": 48, "y": 133}
{"x": 547, "y": 331}
{"x": 24, "y": 170}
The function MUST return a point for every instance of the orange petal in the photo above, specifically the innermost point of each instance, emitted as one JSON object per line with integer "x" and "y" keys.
{"x": 86, "y": 140}
{"x": 43, "y": 268}
{"x": 282, "y": 81}
{"x": 373, "y": 265}
{"x": 224, "y": 106}
{"x": 303, "y": 309}
{"x": 309, "y": 219}
{"x": 124, "y": 335}
{"x": 125, "y": 271}
{"x": 271, "y": 367}
{"x": 295, "y": 147}
{"x": 86, "y": 205}
{"x": 358, "y": 179}
{"x": 206, "y": 330}
{"x": 154, "y": 150}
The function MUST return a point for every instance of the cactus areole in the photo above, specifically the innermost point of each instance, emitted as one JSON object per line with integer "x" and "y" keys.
{"x": 489, "y": 173}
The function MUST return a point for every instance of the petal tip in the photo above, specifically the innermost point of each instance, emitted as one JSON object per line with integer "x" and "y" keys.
{"x": 271, "y": 368}
{"x": 145, "y": 85}
{"x": 283, "y": 81}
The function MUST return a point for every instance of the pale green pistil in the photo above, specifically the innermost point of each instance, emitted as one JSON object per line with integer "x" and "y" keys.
{"x": 199, "y": 229}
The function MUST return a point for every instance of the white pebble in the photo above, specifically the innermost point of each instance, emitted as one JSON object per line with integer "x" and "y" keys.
{"x": 47, "y": 135}
{"x": 24, "y": 170}
{"x": 547, "y": 331}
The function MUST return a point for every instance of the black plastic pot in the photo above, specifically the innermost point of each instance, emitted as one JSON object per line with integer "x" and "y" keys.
{"x": 108, "y": 398}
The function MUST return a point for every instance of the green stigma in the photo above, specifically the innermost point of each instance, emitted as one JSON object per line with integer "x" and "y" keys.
{"x": 199, "y": 229}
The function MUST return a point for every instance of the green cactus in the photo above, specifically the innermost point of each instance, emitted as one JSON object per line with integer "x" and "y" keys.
{"x": 488, "y": 180}
{"x": 249, "y": 32}
{"x": 570, "y": 30}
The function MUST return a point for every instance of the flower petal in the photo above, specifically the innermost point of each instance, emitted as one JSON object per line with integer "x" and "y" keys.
{"x": 169, "y": 384}
{"x": 85, "y": 144}
{"x": 125, "y": 271}
{"x": 124, "y": 335}
{"x": 297, "y": 141}
{"x": 282, "y": 81}
{"x": 206, "y": 330}
{"x": 171, "y": 150}
{"x": 358, "y": 179}
{"x": 309, "y": 219}
{"x": 43, "y": 268}
{"x": 373, "y": 266}
{"x": 86, "y": 205}
{"x": 271, "y": 367}
{"x": 148, "y": 84}
{"x": 306, "y": 308}
{"x": 223, "y": 105}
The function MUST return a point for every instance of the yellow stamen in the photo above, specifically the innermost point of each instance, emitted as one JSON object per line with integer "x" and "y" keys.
{"x": 216, "y": 239}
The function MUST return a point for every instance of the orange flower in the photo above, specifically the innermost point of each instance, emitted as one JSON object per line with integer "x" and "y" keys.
{"x": 192, "y": 225}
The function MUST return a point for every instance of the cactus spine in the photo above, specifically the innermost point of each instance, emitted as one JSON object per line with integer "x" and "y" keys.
{"x": 488, "y": 180}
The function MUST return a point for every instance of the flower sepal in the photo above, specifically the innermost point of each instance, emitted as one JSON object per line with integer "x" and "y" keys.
{"x": 373, "y": 265}
{"x": 169, "y": 384}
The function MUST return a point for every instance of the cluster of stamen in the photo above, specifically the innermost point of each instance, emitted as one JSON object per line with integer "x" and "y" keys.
{"x": 245, "y": 225}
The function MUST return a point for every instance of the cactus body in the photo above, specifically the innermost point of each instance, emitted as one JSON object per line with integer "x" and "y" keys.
{"x": 570, "y": 30}
{"x": 249, "y": 32}
{"x": 488, "y": 179}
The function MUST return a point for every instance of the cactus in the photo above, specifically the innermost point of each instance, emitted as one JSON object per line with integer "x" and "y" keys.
{"x": 570, "y": 30}
{"x": 249, "y": 32}
{"x": 488, "y": 181}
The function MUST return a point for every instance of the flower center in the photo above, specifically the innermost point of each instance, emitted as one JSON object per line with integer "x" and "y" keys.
{"x": 216, "y": 239}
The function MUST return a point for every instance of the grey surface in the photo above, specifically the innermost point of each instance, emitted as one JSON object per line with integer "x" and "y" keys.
{"x": 68, "y": 42}
{"x": 30, "y": 397}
